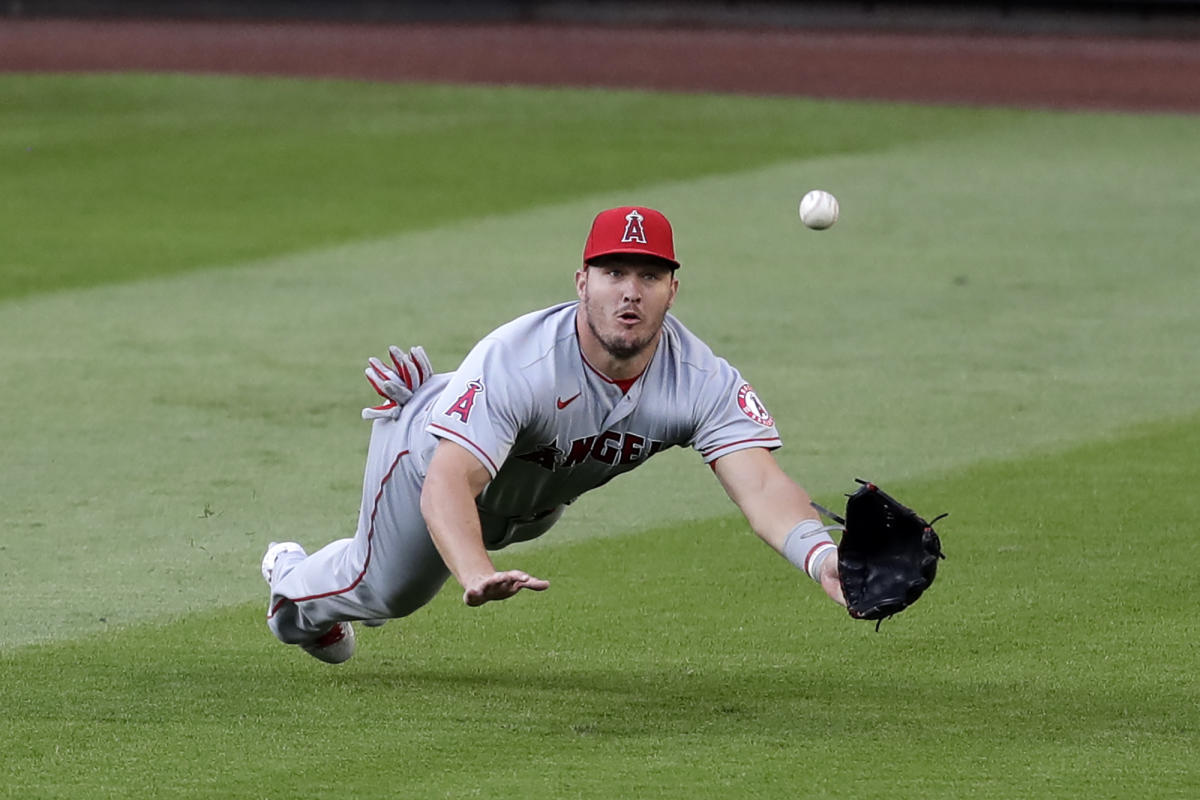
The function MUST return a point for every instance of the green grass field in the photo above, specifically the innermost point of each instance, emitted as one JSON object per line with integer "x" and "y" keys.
{"x": 1002, "y": 326}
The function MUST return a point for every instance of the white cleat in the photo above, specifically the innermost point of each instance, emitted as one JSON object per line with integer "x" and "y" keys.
{"x": 274, "y": 551}
{"x": 335, "y": 646}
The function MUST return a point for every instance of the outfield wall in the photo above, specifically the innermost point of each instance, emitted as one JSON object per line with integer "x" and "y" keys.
{"x": 1153, "y": 17}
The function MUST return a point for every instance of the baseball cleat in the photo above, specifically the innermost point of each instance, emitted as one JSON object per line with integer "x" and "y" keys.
{"x": 274, "y": 551}
{"x": 374, "y": 623}
{"x": 335, "y": 646}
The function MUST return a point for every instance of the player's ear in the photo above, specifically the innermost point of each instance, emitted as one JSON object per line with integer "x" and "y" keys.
{"x": 674, "y": 290}
{"x": 581, "y": 276}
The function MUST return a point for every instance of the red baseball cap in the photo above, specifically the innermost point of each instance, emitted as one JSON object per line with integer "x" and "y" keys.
{"x": 631, "y": 229}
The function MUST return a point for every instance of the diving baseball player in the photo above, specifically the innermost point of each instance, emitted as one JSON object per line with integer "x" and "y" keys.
{"x": 543, "y": 409}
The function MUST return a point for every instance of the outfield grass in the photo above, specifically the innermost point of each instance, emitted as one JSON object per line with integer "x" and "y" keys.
{"x": 159, "y": 174}
{"x": 1002, "y": 325}
{"x": 1053, "y": 658}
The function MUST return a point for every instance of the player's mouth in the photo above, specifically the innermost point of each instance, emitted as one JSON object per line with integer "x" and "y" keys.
{"x": 629, "y": 317}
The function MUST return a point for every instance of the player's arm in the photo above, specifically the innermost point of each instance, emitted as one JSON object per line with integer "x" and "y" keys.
{"x": 455, "y": 478}
{"x": 781, "y": 513}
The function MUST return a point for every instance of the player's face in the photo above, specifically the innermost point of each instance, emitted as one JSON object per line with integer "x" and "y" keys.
{"x": 624, "y": 303}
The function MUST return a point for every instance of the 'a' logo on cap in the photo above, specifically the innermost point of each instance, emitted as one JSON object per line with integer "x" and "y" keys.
{"x": 633, "y": 228}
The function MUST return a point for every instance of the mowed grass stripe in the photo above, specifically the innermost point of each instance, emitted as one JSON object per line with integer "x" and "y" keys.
{"x": 1051, "y": 659}
{"x": 112, "y": 178}
{"x": 208, "y": 413}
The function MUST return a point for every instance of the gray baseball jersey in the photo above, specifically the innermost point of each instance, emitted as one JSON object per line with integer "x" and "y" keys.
{"x": 546, "y": 425}
{"x": 549, "y": 427}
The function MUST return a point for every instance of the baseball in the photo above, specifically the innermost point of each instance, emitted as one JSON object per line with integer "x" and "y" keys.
{"x": 818, "y": 210}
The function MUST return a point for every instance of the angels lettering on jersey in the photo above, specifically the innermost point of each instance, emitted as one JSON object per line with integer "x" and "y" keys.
{"x": 614, "y": 448}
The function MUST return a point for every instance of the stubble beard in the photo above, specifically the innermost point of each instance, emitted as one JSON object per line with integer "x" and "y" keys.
{"x": 615, "y": 347}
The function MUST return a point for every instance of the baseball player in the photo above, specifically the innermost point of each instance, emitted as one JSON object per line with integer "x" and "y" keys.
{"x": 543, "y": 409}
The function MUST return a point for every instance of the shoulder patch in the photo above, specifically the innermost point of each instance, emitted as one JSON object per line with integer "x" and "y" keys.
{"x": 752, "y": 407}
{"x": 466, "y": 401}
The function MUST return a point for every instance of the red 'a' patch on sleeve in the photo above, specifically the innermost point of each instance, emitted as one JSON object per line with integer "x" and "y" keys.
{"x": 466, "y": 401}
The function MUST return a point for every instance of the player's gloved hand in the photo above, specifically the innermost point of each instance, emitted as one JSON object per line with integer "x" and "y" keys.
{"x": 396, "y": 383}
{"x": 501, "y": 586}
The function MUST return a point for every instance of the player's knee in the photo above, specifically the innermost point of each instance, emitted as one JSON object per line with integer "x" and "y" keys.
{"x": 282, "y": 623}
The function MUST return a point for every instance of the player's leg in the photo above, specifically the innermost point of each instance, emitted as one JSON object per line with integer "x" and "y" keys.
{"x": 337, "y": 643}
{"x": 389, "y": 569}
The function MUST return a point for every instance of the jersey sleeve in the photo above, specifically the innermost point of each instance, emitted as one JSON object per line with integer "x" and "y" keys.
{"x": 731, "y": 417}
{"x": 485, "y": 405}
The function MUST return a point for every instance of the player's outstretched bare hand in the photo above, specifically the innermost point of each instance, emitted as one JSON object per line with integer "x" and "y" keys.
{"x": 501, "y": 586}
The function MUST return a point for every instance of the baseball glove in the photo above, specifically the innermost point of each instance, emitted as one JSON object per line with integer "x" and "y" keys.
{"x": 888, "y": 554}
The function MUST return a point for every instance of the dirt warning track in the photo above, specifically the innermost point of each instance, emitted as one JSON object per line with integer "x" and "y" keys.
{"x": 1026, "y": 71}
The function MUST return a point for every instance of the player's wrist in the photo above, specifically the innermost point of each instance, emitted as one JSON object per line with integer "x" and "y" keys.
{"x": 820, "y": 563}
{"x": 808, "y": 545}
{"x": 477, "y": 577}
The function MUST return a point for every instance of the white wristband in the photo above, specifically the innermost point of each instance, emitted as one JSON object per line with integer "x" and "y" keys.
{"x": 807, "y": 545}
{"x": 818, "y": 559}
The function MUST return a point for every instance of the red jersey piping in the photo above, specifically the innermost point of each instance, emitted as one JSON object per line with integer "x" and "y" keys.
{"x": 366, "y": 562}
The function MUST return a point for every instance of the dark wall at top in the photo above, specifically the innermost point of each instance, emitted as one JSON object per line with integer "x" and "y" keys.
{"x": 1129, "y": 16}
